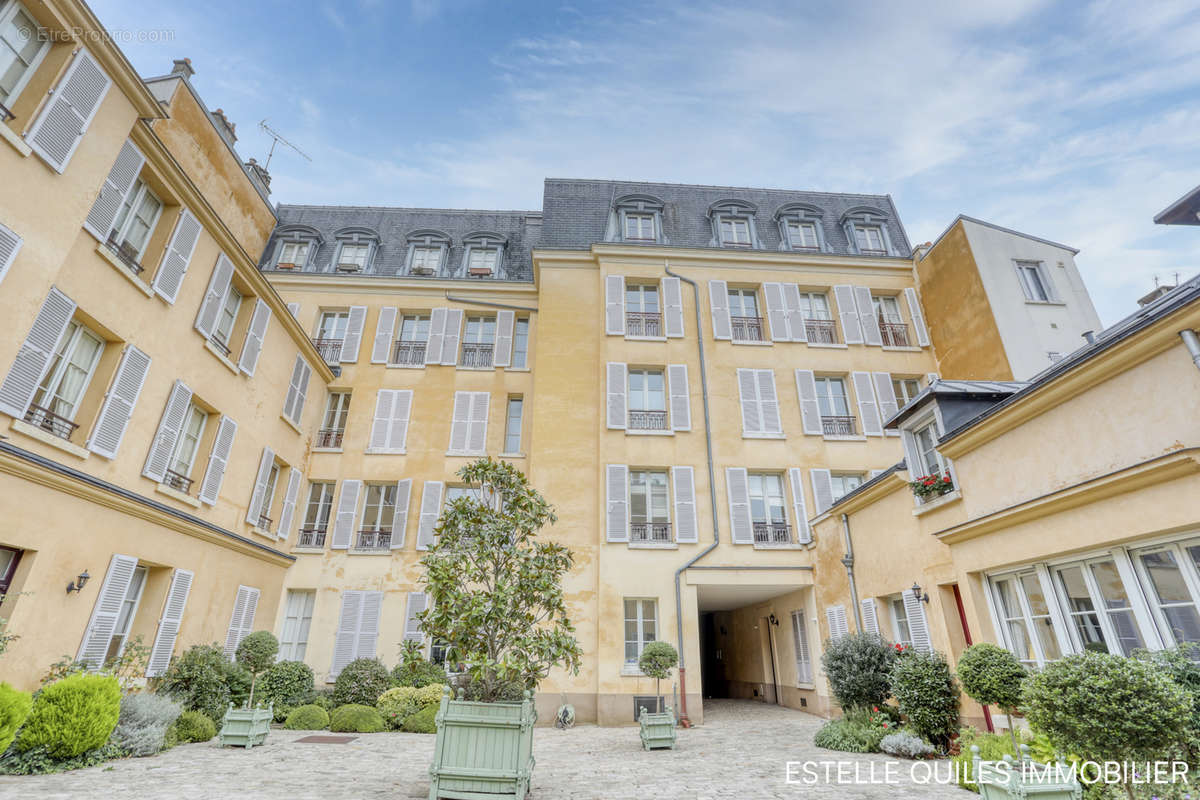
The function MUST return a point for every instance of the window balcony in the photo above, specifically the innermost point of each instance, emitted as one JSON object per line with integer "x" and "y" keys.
{"x": 180, "y": 483}
{"x": 476, "y": 355}
{"x": 838, "y": 426}
{"x": 330, "y": 438}
{"x": 125, "y": 253}
{"x": 311, "y": 537}
{"x": 820, "y": 331}
{"x": 264, "y": 523}
{"x": 895, "y": 334}
{"x": 5, "y": 114}
{"x": 370, "y": 540}
{"x": 409, "y": 353}
{"x": 216, "y": 341}
{"x": 772, "y": 533}
{"x": 648, "y": 420}
{"x": 650, "y": 532}
{"x": 747, "y": 329}
{"x": 330, "y": 349}
{"x": 871, "y": 251}
{"x": 643, "y": 323}
{"x": 50, "y": 422}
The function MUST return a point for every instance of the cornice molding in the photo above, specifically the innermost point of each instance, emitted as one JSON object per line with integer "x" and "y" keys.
{"x": 390, "y": 285}
{"x": 783, "y": 260}
{"x": 872, "y": 494}
{"x": 87, "y": 32}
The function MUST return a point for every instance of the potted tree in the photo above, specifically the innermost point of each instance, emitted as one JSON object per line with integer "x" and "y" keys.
{"x": 657, "y": 728}
{"x": 991, "y": 675}
{"x": 496, "y": 600}
{"x": 249, "y": 725}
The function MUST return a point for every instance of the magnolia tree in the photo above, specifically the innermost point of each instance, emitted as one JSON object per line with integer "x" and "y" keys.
{"x": 495, "y": 589}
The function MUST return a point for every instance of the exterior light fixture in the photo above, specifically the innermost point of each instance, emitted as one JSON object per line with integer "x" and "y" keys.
{"x": 918, "y": 594}
{"x": 774, "y": 620}
{"x": 77, "y": 584}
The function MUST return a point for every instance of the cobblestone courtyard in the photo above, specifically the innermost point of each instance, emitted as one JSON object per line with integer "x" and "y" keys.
{"x": 738, "y": 754}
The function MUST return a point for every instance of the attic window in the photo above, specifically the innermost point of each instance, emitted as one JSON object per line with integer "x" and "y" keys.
{"x": 484, "y": 255}
{"x": 639, "y": 228}
{"x": 869, "y": 240}
{"x": 733, "y": 224}
{"x": 867, "y": 233}
{"x": 293, "y": 255}
{"x": 353, "y": 257}
{"x": 735, "y": 232}
{"x": 636, "y": 218}
{"x": 426, "y": 252}
{"x": 482, "y": 261}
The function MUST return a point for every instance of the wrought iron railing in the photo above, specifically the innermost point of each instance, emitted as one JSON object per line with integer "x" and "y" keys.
{"x": 372, "y": 540}
{"x": 747, "y": 329}
{"x": 871, "y": 251}
{"x": 264, "y": 522}
{"x": 895, "y": 334}
{"x": 220, "y": 344}
{"x": 409, "y": 352}
{"x": 5, "y": 114}
{"x": 656, "y": 532}
{"x": 647, "y": 420}
{"x": 311, "y": 537}
{"x": 125, "y": 252}
{"x": 330, "y": 349}
{"x": 820, "y": 331}
{"x": 330, "y": 437}
{"x": 476, "y": 354}
{"x": 643, "y": 323}
{"x": 180, "y": 483}
{"x": 837, "y": 426}
{"x": 50, "y": 422}
{"x": 772, "y": 533}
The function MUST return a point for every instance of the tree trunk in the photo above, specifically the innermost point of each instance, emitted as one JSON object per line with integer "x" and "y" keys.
{"x": 1012, "y": 732}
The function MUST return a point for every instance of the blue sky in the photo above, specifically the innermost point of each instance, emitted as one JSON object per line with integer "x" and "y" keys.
{"x": 1077, "y": 122}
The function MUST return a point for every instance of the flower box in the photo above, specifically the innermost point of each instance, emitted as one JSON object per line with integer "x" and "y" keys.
{"x": 1024, "y": 778}
{"x": 482, "y": 749}
{"x": 245, "y": 727}
{"x": 927, "y": 487}
{"x": 657, "y": 730}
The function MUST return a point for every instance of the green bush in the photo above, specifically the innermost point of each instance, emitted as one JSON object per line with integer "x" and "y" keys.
{"x": 414, "y": 670}
{"x": 73, "y": 716}
{"x": 144, "y": 722}
{"x": 286, "y": 685}
{"x": 192, "y": 726}
{"x": 399, "y": 703}
{"x": 992, "y": 747}
{"x": 14, "y": 708}
{"x": 991, "y": 675}
{"x": 859, "y": 667}
{"x": 905, "y": 745}
{"x": 307, "y": 718}
{"x": 424, "y": 721}
{"x": 849, "y": 736}
{"x": 361, "y": 682}
{"x": 927, "y": 694}
{"x": 324, "y": 699}
{"x": 1182, "y": 664}
{"x": 355, "y": 718}
{"x": 38, "y": 761}
{"x": 256, "y": 653}
{"x": 200, "y": 677}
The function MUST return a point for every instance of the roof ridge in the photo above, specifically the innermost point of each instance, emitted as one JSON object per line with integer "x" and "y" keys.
{"x": 512, "y": 211}
{"x": 718, "y": 186}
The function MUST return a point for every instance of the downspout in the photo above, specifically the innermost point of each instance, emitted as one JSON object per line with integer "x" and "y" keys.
{"x": 1190, "y": 340}
{"x": 848, "y": 563}
{"x": 465, "y": 301}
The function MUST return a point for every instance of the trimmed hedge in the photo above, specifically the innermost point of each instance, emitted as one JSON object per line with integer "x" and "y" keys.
{"x": 398, "y": 704}
{"x": 14, "y": 709}
{"x": 307, "y": 718}
{"x": 287, "y": 684}
{"x": 192, "y": 726}
{"x": 859, "y": 670}
{"x": 361, "y": 682}
{"x": 355, "y": 718}
{"x": 424, "y": 721}
{"x": 72, "y": 716}
{"x": 927, "y": 694}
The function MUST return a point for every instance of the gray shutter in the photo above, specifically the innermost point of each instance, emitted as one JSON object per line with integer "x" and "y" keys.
{"x": 167, "y": 434}
{"x": 100, "y": 628}
{"x": 345, "y": 643}
{"x": 718, "y": 299}
{"x": 810, "y": 411}
{"x": 911, "y": 460}
{"x": 886, "y": 394}
{"x": 684, "y": 483}
{"x": 417, "y": 603}
{"x": 768, "y": 402}
{"x": 347, "y": 511}
{"x": 437, "y": 332}
{"x": 214, "y": 474}
{"x": 681, "y": 399}
{"x": 169, "y": 278}
{"x": 748, "y": 397}
{"x": 431, "y": 509}
{"x": 869, "y": 617}
{"x": 614, "y": 305}
{"x": 382, "y": 421}
{"x": 791, "y": 310}
{"x": 214, "y": 295}
{"x": 803, "y": 658}
{"x": 917, "y": 625}
{"x": 616, "y": 491}
{"x": 252, "y": 347}
{"x": 831, "y": 620}
{"x": 398, "y": 429}
{"x": 477, "y": 424}
{"x": 353, "y": 337}
{"x": 258, "y": 493}
{"x": 294, "y": 309}
{"x": 737, "y": 485}
{"x": 776, "y": 313}
{"x": 868, "y": 409}
{"x": 288, "y": 511}
{"x": 505, "y": 320}
{"x": 454, "y": 321}
{"x": 848, "y": 312}
{"x": 116, "y": 187}
{"x": 799, "y": 510}
{"x": 33, "y": 359}
{"x": 822, "y": 483}
{"x": 672, "y": 308}
{"x": 385, "y": 330}
{"x": 368, "y": 625}
{"x": 10, "y": 245}
{"x": 460, "y": 422}
{"x": 918, "y": 318}
{"x": 58, "y": 130}
{"x": 168, "y": 625}
{"x": 617, "y": 395}
{"x": 867, "y": 317}
{"x": 119, "y": 403}
{"x": 400, "y": 515}
{"x": 293, "y": 402}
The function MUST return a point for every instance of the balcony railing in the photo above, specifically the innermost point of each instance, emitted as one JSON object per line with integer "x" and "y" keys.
{"x": 772, "y": 533}
{"x": 330, "y": 349}
{"x": 125, "y": 252}
{"x": 311, "y": 537}
{"x": 747, "y": 329}
{"x": 476, "y": 354}
{"x": 264, "y": 523}
{"x": 820, "y": 331}
{"x": 837, "y": 426}
{"x": 409, "y": 353}
{"x": 180, "y": 483}
{"x": 48, "y": 421}
{"x": 648, "y": 420}
{"x": 895, "y": 334}
{"x": 5, "y": 114}
{"x": 654, "y": 532}
{"x": 330, "y": 437}
{"x": 370, "y": 540}
{"x": 643, "y": 323}
{"x": 216, "y": 341}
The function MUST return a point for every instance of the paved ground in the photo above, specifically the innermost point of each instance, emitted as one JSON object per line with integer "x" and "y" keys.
{"x": 740, "y": 753}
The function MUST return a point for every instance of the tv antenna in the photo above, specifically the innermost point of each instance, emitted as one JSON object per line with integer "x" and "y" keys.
{"x": 277, "y": 138}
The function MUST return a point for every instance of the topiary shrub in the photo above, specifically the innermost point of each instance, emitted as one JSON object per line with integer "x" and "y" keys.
{"x": 197, "y": 678}
{"x": 14, "y": 709}
{"x": 361, "y": 682}
{"x": 286, "y": 685}
{"x": 859, "y": 670}
{"x": 849, "y": 737}
{"x": 307, "y": 718}
{"x": 145, "y": 718}
{"x": 1182, "y": 664}
{"x": 991, "y": 675}
{"x": 424, "y": 721}
{"x": 355, "y": 718}
{"x": 656, "y": 661}
{"x": 192, "y": 726}
{"x": 414, "y": 670}
{"x": 905, "y": 745}
{"x": 927, "y": 694}
{"x": 256, "y": 653}
{"x": 73, "y": 716}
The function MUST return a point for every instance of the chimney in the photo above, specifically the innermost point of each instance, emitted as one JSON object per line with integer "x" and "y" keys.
{"x": 922, "y": 249}
{"x": 183, "y": 68}
{"x": 230, "y": 128}
{"x": 1089, "y": 337}
{"x": 1157, "y": 292}
{"x": 258, "y": 173}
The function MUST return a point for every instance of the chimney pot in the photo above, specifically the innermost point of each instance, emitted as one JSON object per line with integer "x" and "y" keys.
{"x": 183, "y": 67}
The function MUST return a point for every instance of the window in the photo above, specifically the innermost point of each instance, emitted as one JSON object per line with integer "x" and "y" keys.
{"x": 21, "y": 48}
{"x": 268, "y": 498}
{"x": 845, "y": 483}
{"x": 512, "y": 425}
{"x": 128, "y": 610}
{"x": 803, "y": 658}
{"x": 331, "y": 332}
{"x": 1025, "y": 619}
{"x": 767, "y": 511}
{"x": 478, "y": 343}
{"x": 178, "y": 474}
{"x": 819, "y": 327}
{"x": 643, "y": 315}
{"x": 482, "y": 260}
{"x": 639, "y": 228}
{"x": 647, "y": 400}
{"x": 425, "y": 260}
{"x": 9, "y": 559}
{"x": 869, "y": 240}
{"x": 901, "y": 631}
{"x": 802, "y": 235}
{"x": 743, "y": 315}
{"x": 906, "y": 389}
{"x": 1098, "y": 608}
{"x": 353, "y": 257}
{"x": 71, "y": 370}
{"x": 520, "y": 352}
{"x": 380, "y": 507}
{"x": 135, "y": 220}
{"x": 316, "y": 516}
{"x": 649, "y": 515}
{"x": 1170, "y": 575}
{"x": 414, "y": 328}
{"x": 1033, "y": 281}
{"x": 641, "y": 628}
{"x": 735, "y": 232}
{"x": 836, "y": 419}
{"x": 226, "y": 318}
{"x": 929, "y": 460}
{"x": 296, "y": 621}
{"x": 293, "y": 254}
{"x": 333, "y": 425}
{"x": 410, "y": 348}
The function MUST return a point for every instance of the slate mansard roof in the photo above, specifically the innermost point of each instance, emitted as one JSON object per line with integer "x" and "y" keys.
{"x": 577, "y": 213}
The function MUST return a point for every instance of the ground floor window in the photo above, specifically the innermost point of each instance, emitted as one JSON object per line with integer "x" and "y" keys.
{"x": 296, "y": 622}
{"x": 129, "y": 606}
{"x": 641, "y": 627}
{"x": 901, "y": 630}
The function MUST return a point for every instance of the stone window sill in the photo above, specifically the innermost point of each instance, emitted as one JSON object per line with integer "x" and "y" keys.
{"x": 844, "y": 438}
{"x": 123, "y": 270}
{"x": 175, "y": 494}
{"x": 34, "y": 432}
{"x": 653, "y": 546}
{"x": 511, "y": 455}
{"x": 352, "y": 552}
{"x": 763, "y": 436}
{"x": 465, "y": 454}
{"x": 1045, "y": 303}
{"x": 517, "y": 369}
{"x": 18, "y": 144}
{"x": 382, "y": 452}
{"x": 637, "y": 432}
{"x": 932, "y": 505}
{"x": 212, "y": 348}
{"x": 261, "y": 532}
{"x": 752, "y": 342}
{"x": 327, "y": 450}
{"x": 645, "y": 338}
{"x": 767, "y": 546}
{"x": 406, "y": 366}
{"x": 902, "y": 349}
{"x": 291, "y": 424}
{"x": 631, "y": 671}
{"x": 830, "y": 345}
{"x": 308, "y": 550}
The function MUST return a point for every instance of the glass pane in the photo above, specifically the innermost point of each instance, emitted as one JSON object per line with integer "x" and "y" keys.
{"x": 1033, "y": 594}
{"x": 1167, "y": 578}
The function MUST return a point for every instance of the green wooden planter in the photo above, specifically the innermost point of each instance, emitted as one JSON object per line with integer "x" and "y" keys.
{"x": 657, "y": 730}
{"x": 245, "y": 727}
{"x": 1026, "y": 778}
{"x": 484, "y": 751}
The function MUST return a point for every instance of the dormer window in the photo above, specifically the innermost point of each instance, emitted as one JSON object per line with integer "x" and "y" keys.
{"x": 426, "y": 260}
{"x": 635, "y": 218}
{"x": 869, "y": 240}
{"x": 355, "y": 249}
{"x": 484, "y": 255}
{"x": 733, "y": 224}
{"x": 639, "y": 228}
{"x": 482, "y": 261}
{"x": 866, "y": 232}
{"x": 353, "y": 257}
{"x": 802, "y": 235}
{"x": 735, "y": 232}
{"x": 800, "y": 228}
{"x": 293, "y": 255}
{"x": 427, "y": 252}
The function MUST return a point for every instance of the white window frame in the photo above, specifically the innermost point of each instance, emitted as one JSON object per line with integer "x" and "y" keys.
{"x": 8, "y": 11}
{"x": 644, "y": 473}
{"x": 134, "y": 604}
{"x": 297, "y": 624}
{"x": 130, "y": 206}
{"x": 512, "y": 431}
{"x": 900, "y": 387}
{"x": 804, "y": 670}
{"x": 385, "y": 507}
{"x": 49, "y": 386}
{"x": 520, "y": 354}
{"x": 300, "y": 252}
{"x": 1104, "y": 615}
{"x": 640, "y": 618}
{"x": 730, "y": 237}
{"x": 863, "y": 232}
{"x": 318, "y": 510}
{"x": 804, "y": 227}
{"x": 1188, "y": 571}
{"x": 843, "y": 477}
{"x": 808, "y": 309}
{"x": 359, "y": 262}
{"x": 1043, "y": 287}
{"x": 483, "y": 257}
{"x": 224, "y": 313}
{"x": 901, "y": 630}
{"x": 825, "y": 395}
{"x": 181, "y": 441}
{"x": 415, "y": 318}
{"x": 645, "y": 222}
{"x": 337, "y": 409}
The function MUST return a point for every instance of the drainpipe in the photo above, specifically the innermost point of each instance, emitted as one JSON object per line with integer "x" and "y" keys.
{"x": 1190, "y": 341}
{"x": 848, "y": 563}
{"x": 465, "y": 301}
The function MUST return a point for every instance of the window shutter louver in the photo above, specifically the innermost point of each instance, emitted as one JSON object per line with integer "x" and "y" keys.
{"x": 385, "y": 330}
{"x": 460, "y": 422}
{"x": 617, "y": 401}
{"x": 168, "y": 625}
{"x": 10, "y": 245}
{"x": 810, "y": 411}
{"x": 768, "y": 402}
{"x": 347, "y": 510}
{"x": 252, "y": 347}
{"x": 167, "y": 434}
{"x": 258, "y": 493}
{"x": 431, "y": 509}
{"x": 868, "y": 409}
{"x": 169, "y": 278}
{"x": 116, "y": 187}
{"x": 737, "y": 484}
{"x": 776, "y": 313}
{"x": 294, "y": 309}
{"x": 214, "y": 295}
{"x": 831, "y": 622}
{"x": 477, "y": 429}
{"x": 838, "y": 624}
{"x": 886, "y": 394}
{"x": 293, "y": 403}
{"x": 718, "y": 299}
{"x": 822, "y": 483}
{"x": 917, "y": 625}
{"x": 345, "y": 643}
{"x": 681, "y": 399}
{"x": 33, "y": 359}
{"x": 672, "y": 307}
{"x": 870, "y": 619}
{"x": 99, "y": 632}
{"x": 454, "y": 320}
{"x": 848, "y": 313}
{"x": 245, "y": 605}
{"x": 214, "y": 474}
{"x": 683, "y": 481}
{"x": 803, "y": 658}
{"x": 353, "y": 337}
{"x": 288, "y": 511}
{"x": 791, "y": 309}
{"x": 400, "y": 515}
{"x": 748, "y": 397}
{"x": 867, "y": 317}
{"x": 397, "y": 440}
{"x": 803, "y": 532}
{"x": 417, "y": 603}
{"x": 918, "y": 318}
{"x": 505, "y": 321}
{"x": 65, "y": 117}
{"x": 614, "y": 305}
{"x": 368, "y": 625}
{"x": 437, "y": 332}
{"x": 382, "y": 420}
{"x": 119, "y": 403}
{"x": 616, "y": 491}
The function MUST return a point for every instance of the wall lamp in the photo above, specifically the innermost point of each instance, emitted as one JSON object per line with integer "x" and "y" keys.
{"x": 77, "y": 584}
{"x": 918, "y": 594}
{"x": 774, "y": 620}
